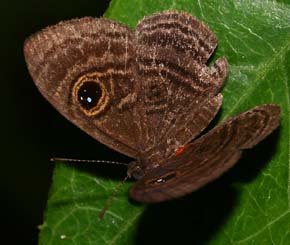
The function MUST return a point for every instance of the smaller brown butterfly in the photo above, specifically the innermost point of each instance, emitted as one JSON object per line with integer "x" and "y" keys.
{"x": 147, "y": 94}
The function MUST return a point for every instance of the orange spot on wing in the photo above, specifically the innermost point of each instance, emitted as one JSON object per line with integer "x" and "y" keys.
{"x": 180, "y": 150}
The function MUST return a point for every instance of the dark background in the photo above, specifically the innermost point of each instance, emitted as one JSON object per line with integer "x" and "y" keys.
{"x": 31, "y": 130}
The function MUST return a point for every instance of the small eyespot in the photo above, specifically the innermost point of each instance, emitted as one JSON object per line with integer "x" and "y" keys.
{"x": 162, "y": 179}
{"x": 90, "y": 94}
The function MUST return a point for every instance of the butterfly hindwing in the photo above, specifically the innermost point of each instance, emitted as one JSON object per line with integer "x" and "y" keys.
{"x": 208, "y": 157}
{"x": 179, "y": 93}
{"x": 177, "y": 32}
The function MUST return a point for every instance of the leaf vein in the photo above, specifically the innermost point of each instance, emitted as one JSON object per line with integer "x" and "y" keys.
{"x": 261, "y": 71}
{"x": 263, "y": 228}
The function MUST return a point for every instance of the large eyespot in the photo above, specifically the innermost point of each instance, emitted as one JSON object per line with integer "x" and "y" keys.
{"x": 90, "y": 94}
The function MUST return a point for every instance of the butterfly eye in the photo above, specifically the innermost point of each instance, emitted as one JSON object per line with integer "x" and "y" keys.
{"x": 91, "y": 95}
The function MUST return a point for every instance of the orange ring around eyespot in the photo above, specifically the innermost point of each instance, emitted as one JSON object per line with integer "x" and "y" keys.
{"x": 102, "y": 102}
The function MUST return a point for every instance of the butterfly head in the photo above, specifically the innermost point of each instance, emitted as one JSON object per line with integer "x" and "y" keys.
{"x": 135, "y": 170}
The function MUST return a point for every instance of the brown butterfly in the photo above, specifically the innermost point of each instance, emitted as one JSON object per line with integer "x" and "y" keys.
{"x": 147, "y": 94}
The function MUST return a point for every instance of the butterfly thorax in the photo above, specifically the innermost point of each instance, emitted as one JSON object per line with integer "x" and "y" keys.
{"x": 137, "y": 169}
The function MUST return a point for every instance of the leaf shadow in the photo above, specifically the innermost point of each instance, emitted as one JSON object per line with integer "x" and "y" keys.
{"x": 195, "y": 219}
{"x": 190, "y": 220}
{"x": 254, "y": 160}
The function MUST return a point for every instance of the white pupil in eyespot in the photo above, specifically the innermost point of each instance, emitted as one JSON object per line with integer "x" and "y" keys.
{"x": 89, "y": 99}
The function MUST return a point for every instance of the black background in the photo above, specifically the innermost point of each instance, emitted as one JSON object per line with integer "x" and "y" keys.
{"x": 31, "y": 130}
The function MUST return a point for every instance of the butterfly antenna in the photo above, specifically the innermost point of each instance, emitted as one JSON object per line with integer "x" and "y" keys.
{"x": 110, "y": 199}
{"x": 60, "y": 159}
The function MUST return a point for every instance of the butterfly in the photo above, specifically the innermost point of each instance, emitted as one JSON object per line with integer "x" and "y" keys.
{"x": 147, "y": 93}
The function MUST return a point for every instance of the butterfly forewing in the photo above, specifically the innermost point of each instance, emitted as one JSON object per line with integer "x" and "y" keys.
{"x": 69, "y": 59}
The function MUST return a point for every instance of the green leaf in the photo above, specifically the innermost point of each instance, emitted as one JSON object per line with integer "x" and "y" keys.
{"x": 248, "y": 205}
